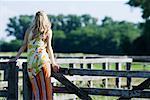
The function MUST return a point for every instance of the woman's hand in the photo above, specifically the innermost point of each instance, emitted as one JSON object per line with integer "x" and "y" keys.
{"x": 55, "y": 68}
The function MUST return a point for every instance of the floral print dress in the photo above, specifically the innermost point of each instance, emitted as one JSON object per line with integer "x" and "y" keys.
{"x": 38, "y": 63}
{"x": 36, "y": 55}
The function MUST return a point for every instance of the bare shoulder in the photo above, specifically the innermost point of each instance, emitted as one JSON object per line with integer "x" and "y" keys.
{"x": 50, "y": 33}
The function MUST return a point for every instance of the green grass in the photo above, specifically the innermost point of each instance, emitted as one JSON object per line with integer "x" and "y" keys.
{"x": 135, "y": 66}
{"x": 12, "y": 54}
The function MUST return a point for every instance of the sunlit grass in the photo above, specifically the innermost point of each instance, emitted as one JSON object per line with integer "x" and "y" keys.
{"x": 12, "y": 54}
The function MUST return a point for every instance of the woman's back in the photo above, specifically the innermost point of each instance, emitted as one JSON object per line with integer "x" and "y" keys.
{"x": 36, "y": 41}
{"x": 36, "y": 52}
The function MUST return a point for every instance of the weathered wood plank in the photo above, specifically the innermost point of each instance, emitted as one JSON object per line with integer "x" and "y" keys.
{"x": 90, "y": 66}
{"x": 95, "y": 60}
{"x": 86, "y": 61}
{"x": 128, "y": 68}
{"x": 2, "y": 66}
{"x": 3, "y": 93}
{"x": 12, "y": 81}
{"x": 141, "y": 86}
{"x": 108, "y": 92}
{"x": 3, "y": 84}
{"x": 70, "y": 86}
{"x": 27, "y": 90}
{"x": 81, "y": 78}
{"x": 135, "y": 58}
{"x": 118, "y": 80}
{"x": 6, "y": 72}
{"x": 105, "y": 66}
{"x": 140, "y": 74}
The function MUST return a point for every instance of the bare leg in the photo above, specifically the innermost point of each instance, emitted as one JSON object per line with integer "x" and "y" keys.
{"x": 47, "y": 73}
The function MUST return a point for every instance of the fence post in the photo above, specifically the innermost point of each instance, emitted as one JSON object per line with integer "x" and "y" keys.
{"x": 128, "y": 67}
{"x": 27, "y": 91}
{"x": 118, "y": 80}
{"x": 72, "y": 65}
{"x": 6, "y": 72}
{"x": 12, "y": 81}
{"x": 90, "y": 66}
{"x": 81, "y": 67}
{"x": 105, "y": 67}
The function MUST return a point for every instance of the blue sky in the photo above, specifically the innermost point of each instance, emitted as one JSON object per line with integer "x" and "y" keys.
{"x": 117, "y": 9}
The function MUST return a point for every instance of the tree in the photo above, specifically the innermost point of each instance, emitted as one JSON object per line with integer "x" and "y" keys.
{"x": 142, "y": 43}
{"x": 12, "y": 46}
{"x": 72, "y": 33}
{"x": 18, "y": 25}
{"x": 143, "y": 4}
{"x": 119, "y": 35}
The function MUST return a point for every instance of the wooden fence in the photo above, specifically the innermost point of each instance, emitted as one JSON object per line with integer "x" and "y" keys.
{"x": 86, "y": 69}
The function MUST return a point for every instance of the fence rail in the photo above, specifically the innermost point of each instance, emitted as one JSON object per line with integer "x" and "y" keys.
{"x": 140, "y": 91}
{"x": 135, "y": 58}
{"x": 108, "y": 92}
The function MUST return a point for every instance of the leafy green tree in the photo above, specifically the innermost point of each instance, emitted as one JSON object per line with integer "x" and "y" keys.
{"x": 119, "y": 35}
{"x": 143, "y": 4}
{"x": 18, "y": 25}
{"x": 142, "y": 43}
{"x": 83, "y": 39}
{"x": 12, "y": 46}
{"x": 74, "y": 33}
{"x": 59, "y": 38}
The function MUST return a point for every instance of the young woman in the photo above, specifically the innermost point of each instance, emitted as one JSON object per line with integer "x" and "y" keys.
{"x": 40, "y": 56}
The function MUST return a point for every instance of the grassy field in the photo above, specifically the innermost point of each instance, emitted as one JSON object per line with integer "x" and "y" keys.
{"x": 12, "y": 54}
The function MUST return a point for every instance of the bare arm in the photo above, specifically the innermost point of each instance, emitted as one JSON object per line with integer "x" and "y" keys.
{"x": 24, "y": 45}
{"x": 49, "y": 48}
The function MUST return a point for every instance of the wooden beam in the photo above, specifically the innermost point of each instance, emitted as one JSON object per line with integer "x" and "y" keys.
{"x": 3, "y": 84}
{"x": 85, "y": 61}
{"x": 95, "y": 60}
{"x": 2, "y": 65}
{"x": 105, "y": 66}
{"x": 107, "y": 92}
{"x": 128, "y": 68}
{"x": 12, "y": 81}
{"x": 141, "y": 86}
{"x": 118, "y": 80}
{"x": 3, "y": 93}
{"x": 141, "y": 74}
{"x": 71, "y": 87}
{"x": 27, "y": 88}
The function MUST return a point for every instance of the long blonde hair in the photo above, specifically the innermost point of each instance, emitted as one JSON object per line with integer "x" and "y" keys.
{"x": 41, "y": 24}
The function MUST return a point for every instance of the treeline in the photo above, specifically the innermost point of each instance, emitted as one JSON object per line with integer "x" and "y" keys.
{"x": 72, "y": 33}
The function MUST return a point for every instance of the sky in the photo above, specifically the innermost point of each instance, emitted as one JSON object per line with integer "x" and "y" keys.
{"x": 116, "y": 9}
